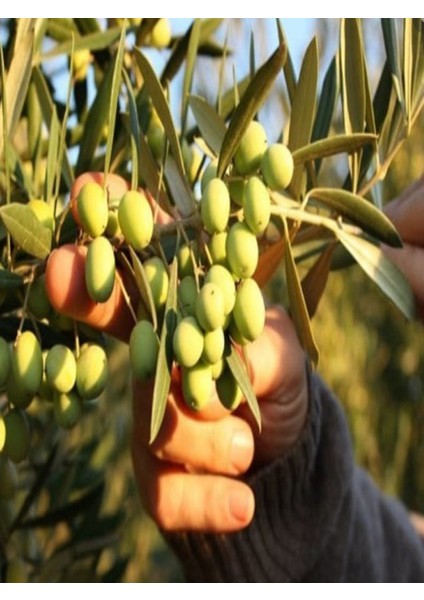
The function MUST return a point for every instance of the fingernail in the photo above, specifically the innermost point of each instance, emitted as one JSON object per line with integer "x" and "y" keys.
{"x": 241, "y": 451}
{"x": 241, "y": 505}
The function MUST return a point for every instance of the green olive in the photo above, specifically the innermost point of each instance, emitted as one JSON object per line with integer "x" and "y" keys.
{"x": 242, "y": 250}
{"x": 217, "y": 248}
{"x": 197, "y": 386}
{"x": 187, "y": 295}
{"x": 17, "y": 441}
{"x": 136, "y": 219}
{"x": 38, "y": 301}
{"x": 93, "y": 210}
{"x": 61, "y": 368}
{"x": 92, "y": 371}
{"x": 249, "y": 310}
{"x": 100, "y": 269}
{"x": 67, "y": 409}
{"x": 224, "y": 280}
{"x": 210, "y": 307}
{"x": 249, "y": 154}
{"x": 256, "y": 205}
{"x": 228, "y": 390}
{"x": 5, "y": 361}
{"x": 215, "y": 206}
{"x": 277, "y": 166}
{"x": 144, "y": 350}
{"x": 214, "y": 343}
{"x": 188, "y": 342}
{"x": 27, "y": 362}
{"x": 158, "y": 278}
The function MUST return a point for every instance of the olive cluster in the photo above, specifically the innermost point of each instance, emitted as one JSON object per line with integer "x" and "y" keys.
{"x": 55, "y": 375}
{"x": 219, "y": 302}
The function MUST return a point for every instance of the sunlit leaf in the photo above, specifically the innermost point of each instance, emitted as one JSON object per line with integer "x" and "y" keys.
{"x": 18, "y": 77}
{"x": 113, "y": 100}
{"x": 25, "y": 229}
{"x": 298, "y": 308}
{"x": 326, "y": 103}
{"x": 161, "y": 105}
{"x": 238, "y": 369}
{"x": 381, "y": 270}
{"x": 407, "y": 66}
{"x": 48, "y": 110}
{"x": 227, "y": 103}
{"x": 189, "y": 70}
{"x": 359, "y": 211}
{"x": 52, "y": 156}
{"x": 179, "y": 188}
{"x": 303, "y": 110}
{"x": 352, "y": 75}
{"x": 335, "y": 144}
{"x": 135, "y": 132}
{"x": 251, "y": 101}
{"x": 288, "y": 68}
{"x": 96, "y": 120}
{"x": 143, "y": 286}
{"x": 93, "y": 41}
{"x": 391, "y": 44}
{"x": 165, "y": 358}
{"x": 210, "y": 124}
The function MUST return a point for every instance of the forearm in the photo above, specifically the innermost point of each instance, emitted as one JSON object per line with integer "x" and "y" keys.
{"x": 317, "y": 518}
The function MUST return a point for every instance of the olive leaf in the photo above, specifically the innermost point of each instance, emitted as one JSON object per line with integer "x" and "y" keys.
{"x": 381, "y": 270}
{"x": 252, "y": 99}
{"x": 26, "y": 230}
{"x": 165, "y": 358}
{"x": 238, "y": 369}
{"x": 113, "y": 100}
{"x": 359, "y": 211}
{"x": 298, "y": 308}
{"x": 210, "y": 124}
{"x": 335, "y": 144}
{"x": 143, "y": 286}
{"x": 192, "y": 49}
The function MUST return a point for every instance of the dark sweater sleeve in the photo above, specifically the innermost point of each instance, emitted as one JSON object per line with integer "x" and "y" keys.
{"x": 318, "y": 518}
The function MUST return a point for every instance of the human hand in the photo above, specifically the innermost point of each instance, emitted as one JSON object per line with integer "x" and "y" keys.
{"x": 407, "y": 214}
{"x": 190, "y": 477}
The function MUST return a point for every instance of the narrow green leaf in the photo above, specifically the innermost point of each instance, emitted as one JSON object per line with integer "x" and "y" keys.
{"x": 288, "y": 68}
{"x": 18, "y": 77}
{"x": 238, "y": 369}
{"x": 52, "y": 157}
{"x": 62, "y": 140}
{"x": 34, "y": 121}
{"x": 179, "y": 188}
{"x": 298, "y": 309}
{"x": 252, "y": 100}
{"x": 418, "y": 61}
{"x": 211, "y": 126}
{"x": 48, "y": 109}
{"x": 314, "y": 282}
{"x": 381, "y": 270}
{"x": 227, "y": 104}
{"x": 333, "y": 145}
{"x": 96, "y": 119}
{"x": 149, "y": 173}
{"x": 165, "y": 358}
{"x": 143, "y": 286}
{"x": 5, "y": 148}
{"x": 9, "y": 280}
{"x": 161, "y": 105}
{"x": 352, "y": 75}
{"x": 381, "y": 98}
{"x": 26, "y": 230}
{"x": 113, "y": 101}
{"x": 407, "y": 66}
{"x": 86, "y": 26}
{"x": 326, "y": 102}
{"x": 189, "y": 70}
{"x": 391, "y": 44}
{"x": 93, "y": 41}
{"x": 359, "y": 211}
{"x": 135, "y": 132}
{"x": 179, "y": 50}
{"x": 303, "y": 110}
